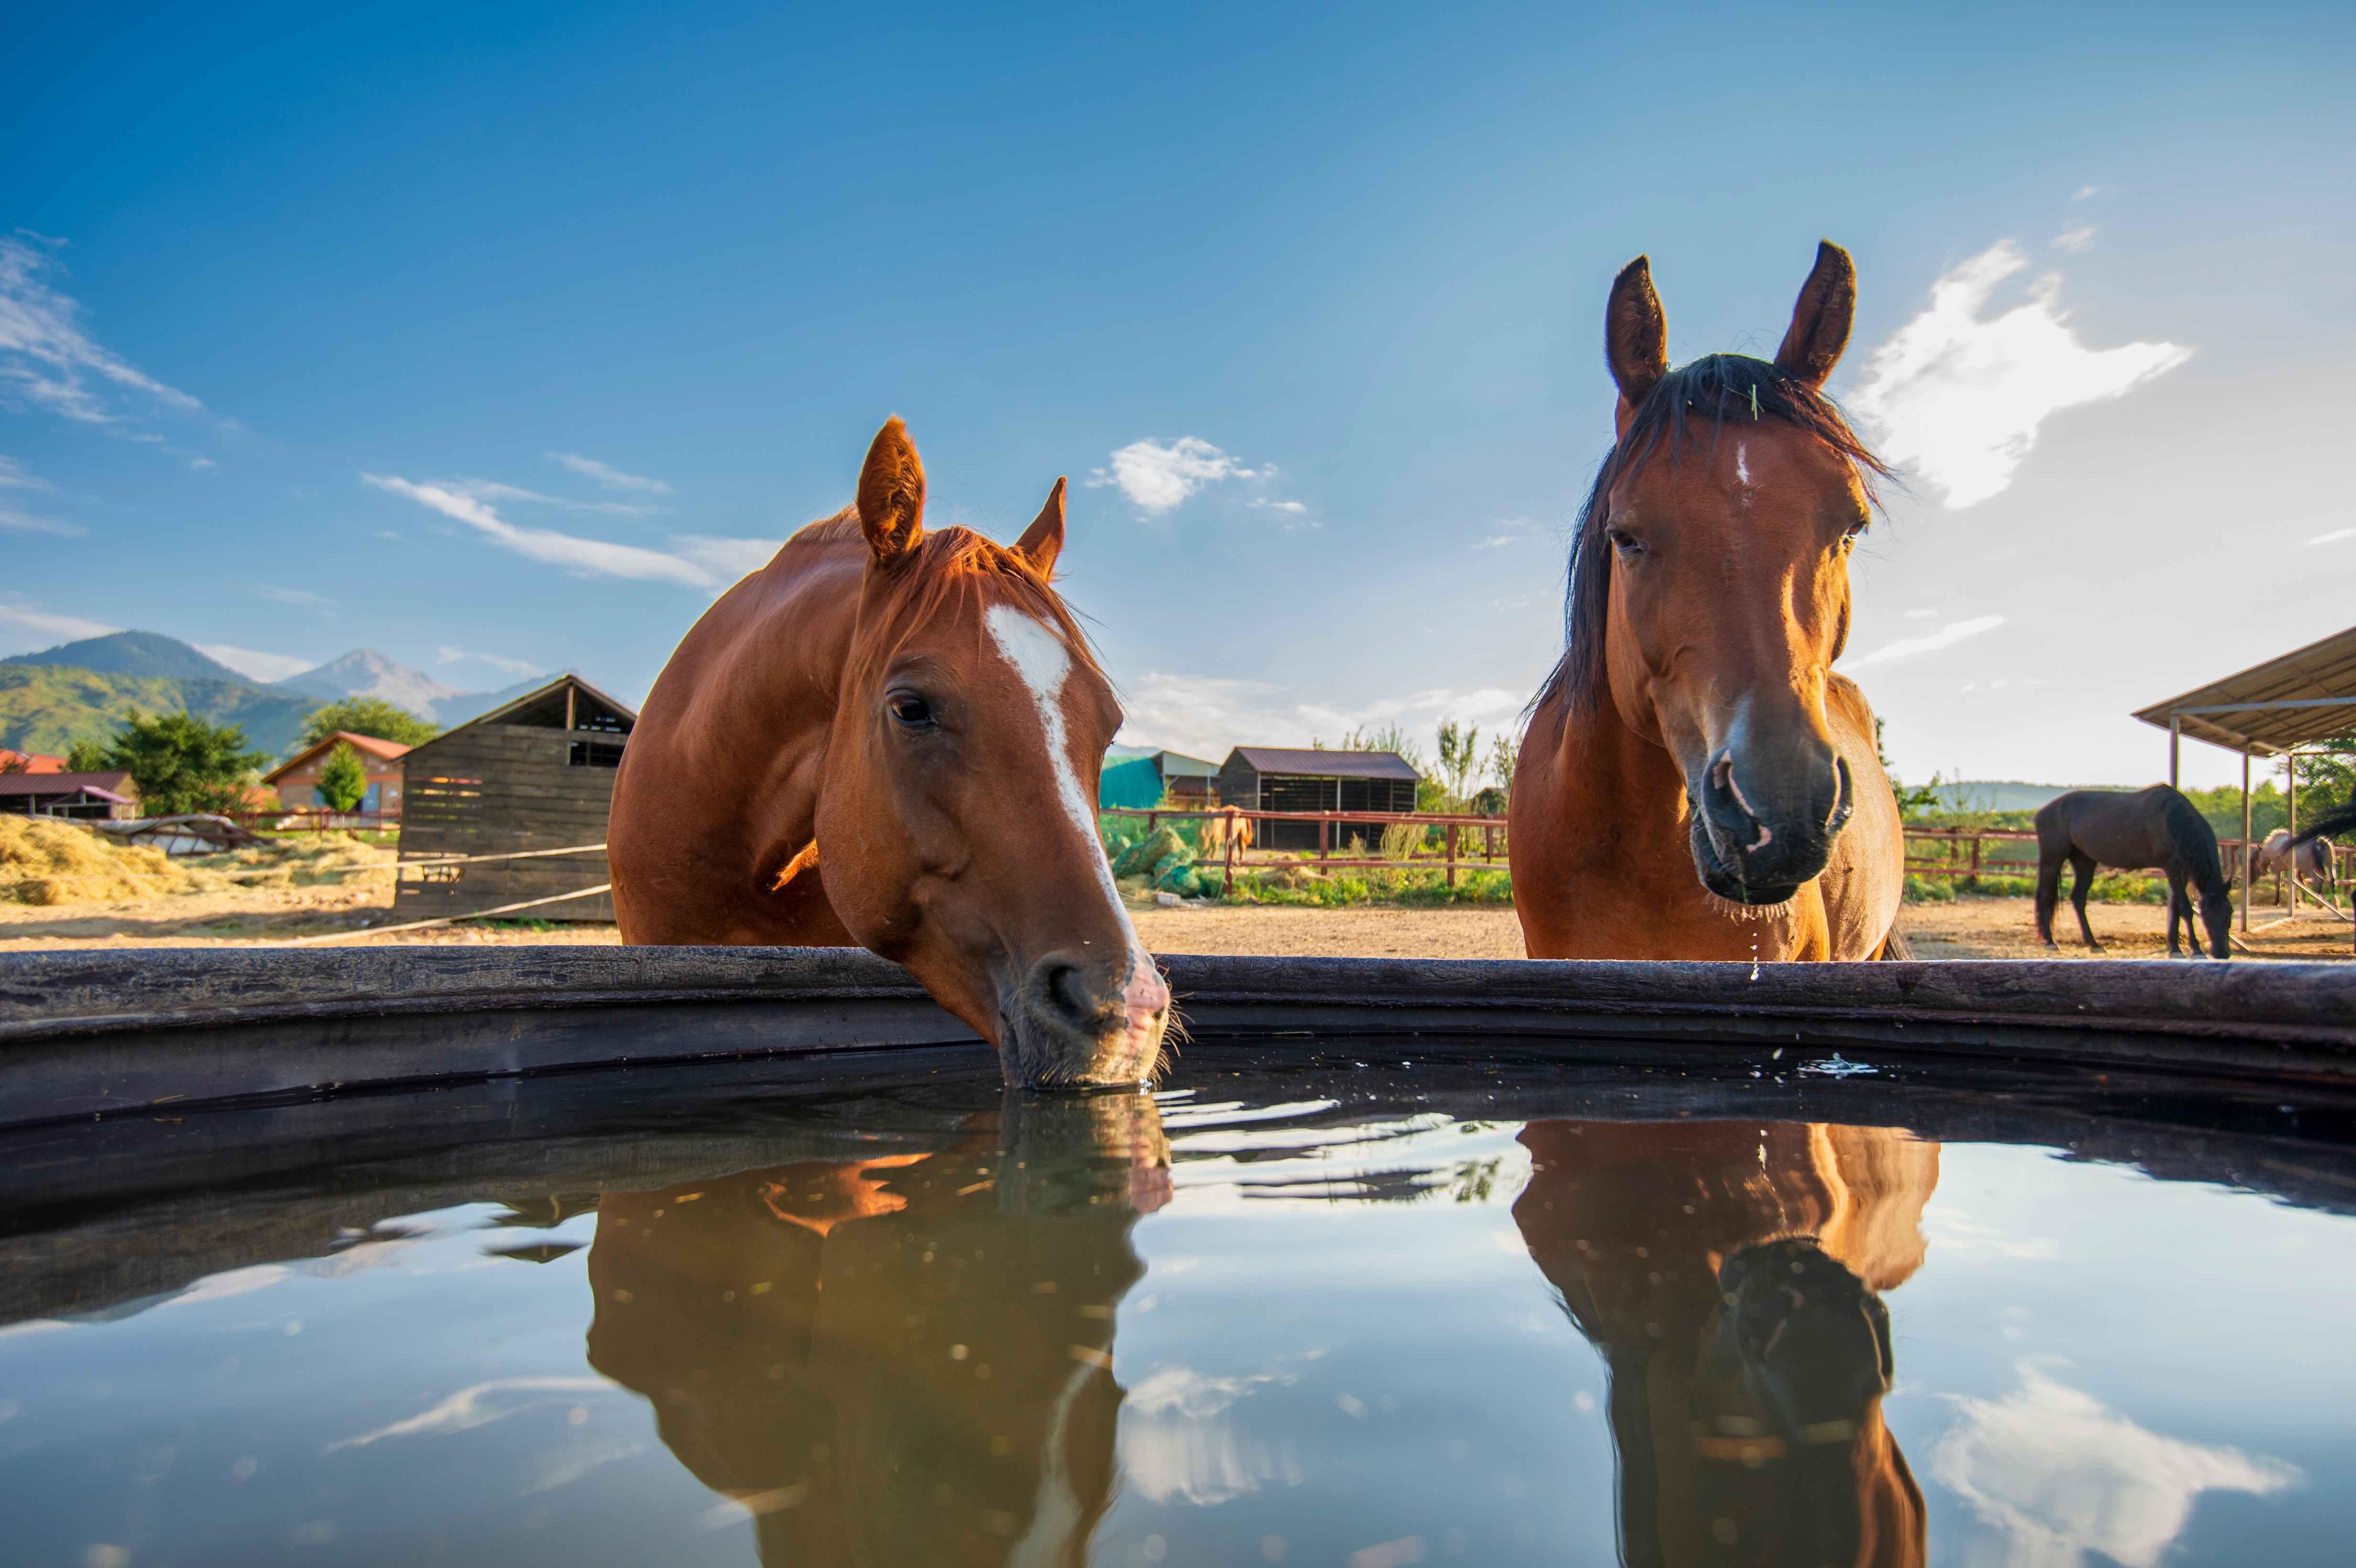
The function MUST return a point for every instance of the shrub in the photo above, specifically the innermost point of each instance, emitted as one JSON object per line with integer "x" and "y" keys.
{"x": 371, "y": 716}
{"x": 343, "y": 779}
{"x": 1929, "y": 890}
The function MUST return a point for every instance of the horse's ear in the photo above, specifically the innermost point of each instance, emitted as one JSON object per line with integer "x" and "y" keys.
{"x": 892, "y": 493}
{"x": 1043, "y": 541}
{"x": 1820, "y": 322}
{"x": 1636, "y": 333}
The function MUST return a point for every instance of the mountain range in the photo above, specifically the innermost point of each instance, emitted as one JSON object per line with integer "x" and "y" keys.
{"x": 82, "y": 689}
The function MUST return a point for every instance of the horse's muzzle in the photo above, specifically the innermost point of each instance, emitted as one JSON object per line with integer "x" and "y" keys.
{"x": 1763, "y": 852}
{"x": 1081, "y": 1020}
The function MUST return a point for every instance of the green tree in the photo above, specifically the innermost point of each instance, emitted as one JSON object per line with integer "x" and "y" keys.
{"x": 87, "y": 756}
{"x": 343, "y": 779}
{"x": 2327, "y": 776}
{"x": 1504, "y": 760}
{"x": 180, "y": 764}
{"x": 1460, "y": 758}
{"x": 371, "y": 716}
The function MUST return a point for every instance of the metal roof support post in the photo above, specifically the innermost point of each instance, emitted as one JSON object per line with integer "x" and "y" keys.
{"x": 2245, "y": 842}
{"x": 2290, "y": 792}
{"x": 2175, "y": 738}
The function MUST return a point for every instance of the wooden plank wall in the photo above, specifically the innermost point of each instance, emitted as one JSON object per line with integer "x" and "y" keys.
{"x": 495, "y": 789}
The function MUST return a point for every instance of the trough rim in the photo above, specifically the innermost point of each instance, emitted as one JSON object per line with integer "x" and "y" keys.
{"x": 74, "y": 992}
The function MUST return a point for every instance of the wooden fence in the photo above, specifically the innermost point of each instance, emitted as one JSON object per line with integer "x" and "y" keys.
{"x": 1964, "y": 852}
{"x": 1454, "y": 852}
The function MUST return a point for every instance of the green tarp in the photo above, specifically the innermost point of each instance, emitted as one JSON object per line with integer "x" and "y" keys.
{"x": 1135, "y": 782}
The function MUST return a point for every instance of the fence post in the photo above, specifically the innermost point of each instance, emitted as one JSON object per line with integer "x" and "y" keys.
{"x": 1452, "y": 854}
{"x": 1324, "y": 836}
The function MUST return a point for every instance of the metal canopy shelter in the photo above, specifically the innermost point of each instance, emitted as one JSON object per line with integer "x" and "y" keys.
{"x": 2267, "y": 710}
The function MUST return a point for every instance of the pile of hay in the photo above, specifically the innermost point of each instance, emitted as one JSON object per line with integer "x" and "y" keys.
{"x": 313, "y": 859}
{"x": 43, "y": 861}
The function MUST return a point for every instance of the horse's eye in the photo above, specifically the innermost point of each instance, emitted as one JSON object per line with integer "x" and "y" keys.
{"x": 911, "y": 710}
{"x": 1623, "y": 541}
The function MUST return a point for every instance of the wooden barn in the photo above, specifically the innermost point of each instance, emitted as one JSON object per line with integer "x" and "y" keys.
{"x": 1268, "y": 778}
{"x": 535, "y": 774}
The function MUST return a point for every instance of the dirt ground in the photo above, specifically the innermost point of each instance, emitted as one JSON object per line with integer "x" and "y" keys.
{"x": 1967, "y": 928}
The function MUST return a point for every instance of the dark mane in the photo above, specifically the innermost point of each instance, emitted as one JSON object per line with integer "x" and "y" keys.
{"x": 1718, "y": 387}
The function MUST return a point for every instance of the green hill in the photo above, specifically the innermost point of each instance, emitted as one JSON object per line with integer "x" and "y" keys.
{"x": 47, "y": 708}
{"x": 134, "y": 652}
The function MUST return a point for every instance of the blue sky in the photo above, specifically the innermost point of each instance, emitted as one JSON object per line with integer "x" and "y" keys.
{"x": 501, "y": 342}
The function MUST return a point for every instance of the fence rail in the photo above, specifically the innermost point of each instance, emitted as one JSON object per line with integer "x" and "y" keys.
{"x": 1964, "y": 855}
{"x": 1445, "y": 859}
{"x": 313, "y": 819}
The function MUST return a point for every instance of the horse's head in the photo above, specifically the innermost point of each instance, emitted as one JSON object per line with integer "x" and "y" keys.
{"x": 1710, "y": 582}
{"x": 956, "y": 822}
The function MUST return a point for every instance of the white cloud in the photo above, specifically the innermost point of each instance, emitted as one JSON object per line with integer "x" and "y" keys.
{"x": 492, "y": 490}
{"x": 14, "y": 475}
{"x": 1203, "y": 716}
{"x": 1158, "y": 477}
{"x": 732, "y": 558}
{"x": 1960, "y": 399}
{"x": 2062, "y": 1474}
{"x": 612, "y": 478}
{"x": 293, "y": 596}
{"x": 2334, "y": 537}
{"x": 1946, "y": 636}
{"x": 2076, "y": 239}
{"x": 19, "y": 522}
{"x": 46, "y": 357}
{"x": 51, "y": 629}
{"x": 264, "y": 667}
{"x": 511, "y": 666}
{"x": 585, "y": 557}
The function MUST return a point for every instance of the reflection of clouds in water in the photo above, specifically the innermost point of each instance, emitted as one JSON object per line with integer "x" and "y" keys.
{"x": 1173, "y": 1445}
{"x": 2062, "y": 1475}
{"x": 478, "y": 1405}
{"x": 562, "y": 1466}
{"x": 1953, "y": 1230}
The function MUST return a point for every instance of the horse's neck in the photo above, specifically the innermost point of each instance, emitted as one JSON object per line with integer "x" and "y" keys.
{"x": 1612, "y": 776}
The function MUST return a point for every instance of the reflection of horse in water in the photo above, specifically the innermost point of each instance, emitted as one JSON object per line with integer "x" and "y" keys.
{"x": 893, "y": 1360}
{"x": 1729, "y": 1272}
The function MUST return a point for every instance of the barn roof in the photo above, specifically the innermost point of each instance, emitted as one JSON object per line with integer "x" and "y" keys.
{"x": 2305, "y": 695}
{"x": 544, "y": 709}
{"x": 110, "y": 786}
{"x": 1323, "y": 764}
{"x": 382, "y": 750}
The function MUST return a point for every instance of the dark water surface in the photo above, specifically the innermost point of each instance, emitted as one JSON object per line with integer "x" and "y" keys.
{"x": 1367, "y": 1308}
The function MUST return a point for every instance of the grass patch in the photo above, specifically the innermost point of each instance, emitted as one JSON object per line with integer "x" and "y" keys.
{"x": 1359, "y": 887}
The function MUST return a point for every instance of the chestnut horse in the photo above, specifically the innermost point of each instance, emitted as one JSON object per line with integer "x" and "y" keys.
{"x": 1696, "y": 782}
{"x": 1731, "y": 1273}
{"x": 889, "y": 738}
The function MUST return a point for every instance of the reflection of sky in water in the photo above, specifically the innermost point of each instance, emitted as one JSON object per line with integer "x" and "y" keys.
{"x": 1339, "y": 1351}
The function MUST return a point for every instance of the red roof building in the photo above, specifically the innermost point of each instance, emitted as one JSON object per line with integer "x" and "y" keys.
{"x": 29, "y": 763}
{"x": 298, "y": 779}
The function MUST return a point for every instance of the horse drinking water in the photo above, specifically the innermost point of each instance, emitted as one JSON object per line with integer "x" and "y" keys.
{"x": 1696, "y": 782}
{"x": 889, "y": 738}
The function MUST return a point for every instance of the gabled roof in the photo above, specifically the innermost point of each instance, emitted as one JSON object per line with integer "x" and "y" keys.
{"x": 383, "y": 751}
{"x": 1179, "y": 765}
{"x": 2317, "y": 682}
{"x": 1323, "y": 764}
{"x": 35, "y": 763}
{"x": 544, "y": 709}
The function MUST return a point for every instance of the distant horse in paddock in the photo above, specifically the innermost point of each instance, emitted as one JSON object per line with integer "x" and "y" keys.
{"x": 890, "y": 738}
{"x": 2156, "y": 828}
{"x": 1696, "y": 782}
{"x": 2311, "y": 858}
{"x": 1731, "y": 1273}
{"x": 1226, "y": 826}
{"x": 2340, "y": 821}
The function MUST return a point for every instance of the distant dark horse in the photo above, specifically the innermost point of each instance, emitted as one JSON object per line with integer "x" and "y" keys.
{"x": 2155, "y": 827}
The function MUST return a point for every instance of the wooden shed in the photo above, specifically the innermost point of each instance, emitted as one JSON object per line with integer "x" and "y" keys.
{"x": 1269, "y": 778}
{"x": 535, "y": 774}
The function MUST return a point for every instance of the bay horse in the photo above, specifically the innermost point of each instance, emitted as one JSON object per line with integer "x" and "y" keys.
{"x": 1731, "y": 1273}
{"x": 857, "y": 1350}
{"x": 2155, "y": 829}
{"x": 889, "y": 738}
{"x": 1696, "y": 782}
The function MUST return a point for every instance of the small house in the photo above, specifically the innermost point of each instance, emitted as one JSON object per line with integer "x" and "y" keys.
{"x": 1144, "y": 780}
{"x": 535, "y": 774}
{"x": 297, "y": 780}
{"x": 1269, "y": 778}
{"x": 86, "y": 798}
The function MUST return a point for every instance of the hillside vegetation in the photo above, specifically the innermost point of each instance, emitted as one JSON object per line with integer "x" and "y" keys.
{"x": 48, "y": 708}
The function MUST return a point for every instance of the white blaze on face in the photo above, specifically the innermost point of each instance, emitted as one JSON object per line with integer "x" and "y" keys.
{"x": 1040, "y": 659}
